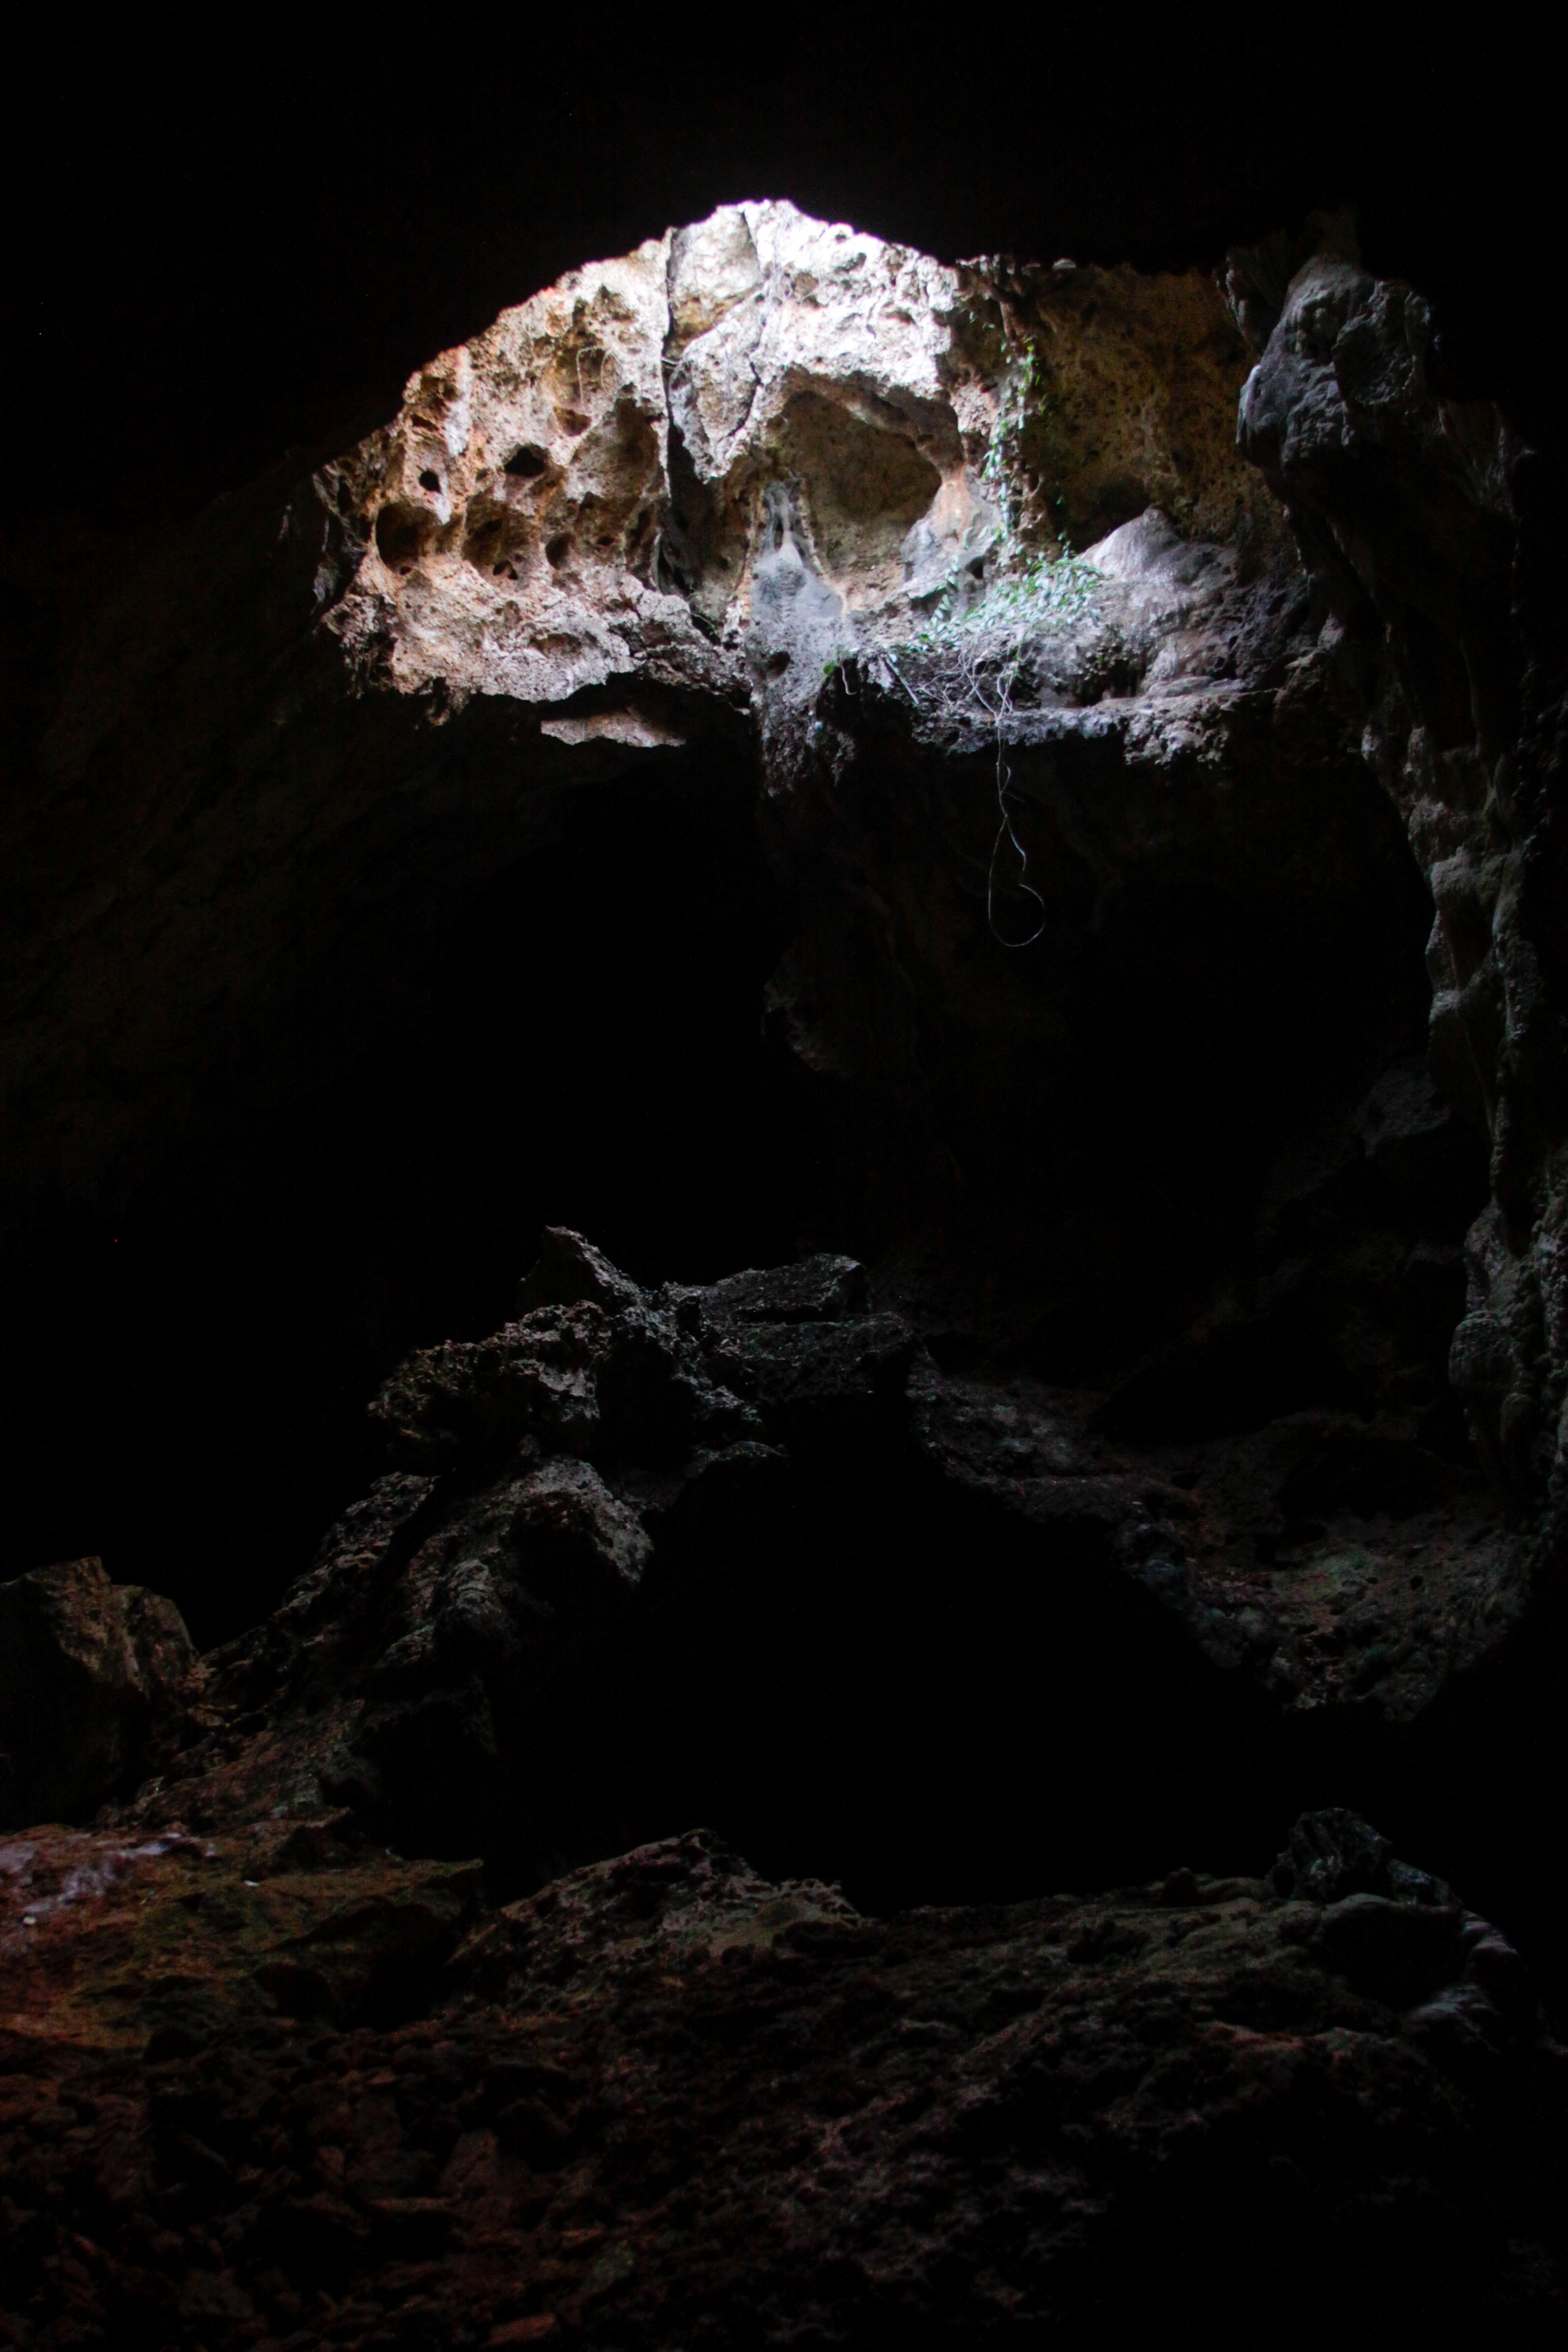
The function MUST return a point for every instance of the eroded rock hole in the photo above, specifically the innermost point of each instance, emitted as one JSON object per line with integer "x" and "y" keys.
{"x": 867, "y": 487}
{"x": 526, "y": 462}
{"x": 403, "y": 532}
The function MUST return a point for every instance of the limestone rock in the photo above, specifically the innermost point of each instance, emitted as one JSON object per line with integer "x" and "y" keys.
{"x": 86, "y": 1668}
{"x": 758, "y": 444}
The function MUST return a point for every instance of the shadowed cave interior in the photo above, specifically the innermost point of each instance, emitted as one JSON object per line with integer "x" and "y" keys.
{"x": 873, "y": 1619}
{"x": 894, "y": 1697}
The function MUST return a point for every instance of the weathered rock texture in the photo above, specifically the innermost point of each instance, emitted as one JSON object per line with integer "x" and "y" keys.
{"x": 626, "y": 474}
{"x": 1122, "y": 1466}
{"x": 621, "y": 1530}
{"x": 87, "y": 1669}
{"x": 253, "y": 2097}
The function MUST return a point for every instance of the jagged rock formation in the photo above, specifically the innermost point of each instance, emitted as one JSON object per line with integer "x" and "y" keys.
{"x": 758, "y": 422}
{"x": 1132, "y": 1449}
{"x": 771, "y": 511}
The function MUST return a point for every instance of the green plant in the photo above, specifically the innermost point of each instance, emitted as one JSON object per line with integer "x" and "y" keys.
{"x": 969, "y": 655}
{"x": 1018, "y": 388}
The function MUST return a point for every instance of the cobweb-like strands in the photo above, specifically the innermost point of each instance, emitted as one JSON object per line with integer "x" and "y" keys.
{"x": 977, "y": 657}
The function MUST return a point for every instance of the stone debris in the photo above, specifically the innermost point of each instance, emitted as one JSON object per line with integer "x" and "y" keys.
{"x": 528, "y": 1640}
{"x": 663, "y": 2101}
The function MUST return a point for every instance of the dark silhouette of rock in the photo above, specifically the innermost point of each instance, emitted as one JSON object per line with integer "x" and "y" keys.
{"x": 87, "y": 1670}
{"x": 633, "y": 1523}
{"x": 1103, "y": 1495}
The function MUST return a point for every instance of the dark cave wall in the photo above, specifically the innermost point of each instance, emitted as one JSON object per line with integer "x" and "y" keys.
{"x": 1071, "y": 1138}
{"x": 337, "y": 997}
{"x": 372, "y": 1173}
{"x": 363, "y": 987}
{"x": 316, "y": 1013}
{"x": 1422, "y": 519}
{"x": 366, "y": 1000}
{"x": 1060, "y": 1149}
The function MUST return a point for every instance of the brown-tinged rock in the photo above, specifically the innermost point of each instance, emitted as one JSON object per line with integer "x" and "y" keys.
{"x": 87, "y": 1666}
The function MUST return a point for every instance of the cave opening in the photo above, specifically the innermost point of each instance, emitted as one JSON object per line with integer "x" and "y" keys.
{"x": 870, "y": 1681}
{"x": 993, "y": 1446}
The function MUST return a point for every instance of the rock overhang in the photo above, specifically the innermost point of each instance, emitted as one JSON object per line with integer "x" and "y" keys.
{"x": 710, "y": 517}
{"x": 1296, "y": 1562}
{"x": 763, "y": 442}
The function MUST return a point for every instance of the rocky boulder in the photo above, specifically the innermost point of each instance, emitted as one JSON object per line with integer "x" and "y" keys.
{"x": 88, "y": 1670}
